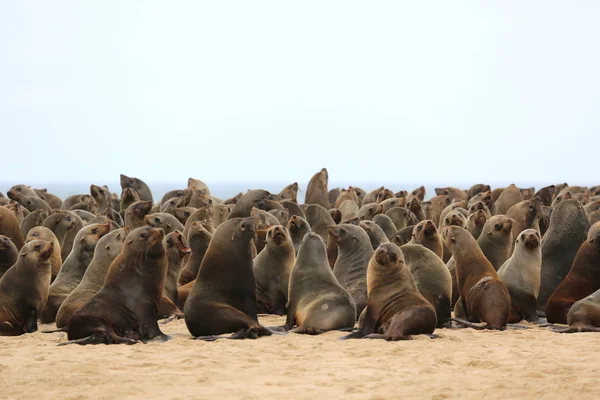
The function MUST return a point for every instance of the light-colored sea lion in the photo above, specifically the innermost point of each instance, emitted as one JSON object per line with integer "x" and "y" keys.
{"x": 86, "y": 216}
{"x": 402, "y": 217}
{"x": 332, "y": 195}
{"x": 272, "y": 268}
{"x": 43, "y": 233}
{"x": 167, "y": 222}
{"x": 451, "y": 207}
{"x": 298, "y": 227}
{"x": 70, "y": 201}
{"x": 197, "y": 199}
{"x": 419, "y": 193}
{"x": 368, "y": 211}
{"x": 22, "y": 190}
{"x": 525, "y": 215}
{"x": 101, "y": 196}
{"x": 198, "y": 240}
{"x": 454, "y": 193}
{"x": 521, "y": 276}
{"x": 386, "y": 224}
{"x": 354, "y": 252}
{"x": 395, "y": 310}
{"x": 496, "y": 240}
{"x": 319, "y": 220}
{"x": 349, "y": 210}
{"x": 438, "y": 204}
{"x": 138, "y": 185}
{"x": 316, "y": 191}
{"x": 416, "y": 209}
{"x": 197, "y": 184}
{"x": 35, "y": 218}
{"x": 432, "y": 278}
{"x": 484, "y": 297}
{"x": 573, "y": 190}
{"x": 8, "y": 254}
{"x": 347, "y": 194}
{"x": 31, "y": 203}
{"x": 10, "y": 227}
{"x": 135, "y": 213}
{"x": 426, "y": 234}
{"x": 390, "y": 203}
{"x": 24, "y": 289}
{"x": 376, "y": 234}
{"x": 455, "y": 217}
{"x": 584, "y": 315}
{"x": 290, "y": 192}
{"x": 568, "y": 229}
{"x": 316, "y": 301}
{"x": 371, "y": 197}
{"x": 476, "y": 221}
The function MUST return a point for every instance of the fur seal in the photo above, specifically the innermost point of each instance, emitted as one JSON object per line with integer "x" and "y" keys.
{"x": 584, "y": 315}
{"x": 43, "y": 233}
{"x": 438, "y": 205}
{"x": 316, "y": 191}
{"x": 125, "y": 309}
{"x": 128, "y": 197}
{"x": 432, "y": 278}
{"x": 354, "y": 252}
{"x": 8, "y": 254}
{"x": 114, "y": 216}
{"x": 403, "y": 236}
{"x": 197, "y": 184}
{"x": 476, "y": 221}
{"x": 101, "y": 196}
{"x": 138, "y": 185}
{"x": 525, "y": 215}
{"x": 293, "y": 208}
{"x": 454, "y": 193}
{"x": 496, "y": 240}
{"x": 272, "y": 268}
{"x": 386, "y": 224}
{"x": 484, "y": 297}
{"x": 10, "y": 227}
{"x": 459, "y": 205}
{"x": 594, "y": 217}
{"x": 568, "y": 229}
{"x": 65, "y": 225}
{"x": 220, "y": 214}
{"x": 177, "y": 248}
{"x": 390, "y": 203}
{"x": 290, "y": 192}
{"x": 282, "y": 215}
{"x": 223, "y": 298}
{"x": 546, "y": 194}
{"x": 73, "y": 268}
{"x": 426, "y": 234}
{"x": 582, "y": 280}
{"x": 368, "y": 211}
{"x": 135, "y": 213}
{"x": 86, "y": 216}
{"x": 347, "y": 194}
{"x": 416, "y": 209}
{"x": 24, "y": 289}
{"x": 198, "y": 240}
{"x": 376, "y": 234}
{"x": 201, "y": 214}
{"x": 20, "y": 190}
{"x": 35, "y": 218}
{"x": 455, "y": 217}
{"x": 167, "y": 222}
{"x": 332, "y": 195}
{"x": 395, "y": 310}
{"x": 18, "y": 210}
{"x": 557, "y": 200}
{"x": 402, "y": 217}
{"x": 107, "y": 249}
{"x": 419, "y": 193}
{"x": 371, "y": 197}
{"x": 298, "y": 227}
{"x": 527, "y": 193}
{"x": 521, "y": 276}
{"x": 316, "y": 301}
{"x": 319, "y": 220}
{"x": 244, "y": 205}
{"x": 476, "y": 189}
{"x": 349, "y": 210}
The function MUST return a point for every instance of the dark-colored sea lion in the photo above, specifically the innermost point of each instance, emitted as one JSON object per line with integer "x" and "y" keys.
{"x": 24, "y": 289}
{"x": 128, "y": 197}
{"x": 198, "y": 240}
{"x": 376, "y": 234}
{"x": 582, "y": 280}
{"x": 126, "y": 307}
{"x": 10, "y": 227}
{"x": 298, "y": 227}
{"x": 107, "y": 249}
{"x": 135, "y": 213}
{"x": 43, "y": 233}
{"x": 432, "y": 278}
{"x": 316, "y": 191}
{"x": 354, "y": 252}
{"x": 496, "y": 240}
{"x": 319, "y": 220}
{"x": 415, "y": 207}
{"x": 484, "y": 297}
{"x": 167, "y": 222}
{"x": 272, "y": 268}
{"x": 386, "y": 224}
{"x": 223, "y": 298}
{"x": 525, "y": 215}
{"x": 568, "y": 229}
{"x": 316, "y": 301}
{"x": 8, "y": 254}
{"x": 336, "y": 215}
{"x": 290, "y": 192}
{"x": 73, "y": 268}
{"x": 426, "y": 234}
{"x": 521, "y": 276}
{"x": 546, "y": 194}
{"x": 395, "y": 310}
{"x": 244, "y": 205}
{"x": 138, "y": 185}
{"x": 35, "y": 218}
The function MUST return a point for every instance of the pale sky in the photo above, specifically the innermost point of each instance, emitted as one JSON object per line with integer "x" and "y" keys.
{"x": 442, "y": 91}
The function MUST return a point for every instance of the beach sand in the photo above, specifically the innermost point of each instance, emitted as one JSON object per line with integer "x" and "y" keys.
{"x": 465, "y": 363}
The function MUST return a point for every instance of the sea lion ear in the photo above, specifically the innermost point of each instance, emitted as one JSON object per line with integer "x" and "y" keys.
{"x": 107, "y": 247}
{"x": 453, "y": 239}
{"x": 82, "y": 239}
{"x": 23, "y": 254}
{"x": 169, "y": 226}
{"x": 129, "y": 241}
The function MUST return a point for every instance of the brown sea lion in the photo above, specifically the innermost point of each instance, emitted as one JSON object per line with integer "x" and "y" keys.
{"x": 293, "y": 208}
{"x": 558, "y": 199}
{"x": 20, "y": 190}
{"x": 485, "y": 198}
{"x": 376, "y": 234}
{"x": 73, "y": 268}
{"x": 390, "y": 203}
{"x": 332, "y": 195}
{"x": 244, "y": 205}
{"x": 476, "y": 221}
{"x": 592, "y": 206}
{"x": 426, "y": 234}
{"x": 101, "y": 196}
{"x": 298, "y": 227}
{"x": 584, "y": 315}
{"x": 521, "y": 276}
{"x": 347, "y": 194}
{"x": 316, "y": 191}
{"x": 527, "y": 193}
{"x": 496, "y": 240}
{"x": 290, "y": 192}
{"x": 476, "y": 189}
{"x": 454, "y": 193}
{"x": 455, "y": 217}
{"x": 480, "y": 205}
{"x": 177, "y": 249}
{"x": 403, "y": 236}
{"x": 167, "y": 222}
{"x": 386, "y": 224}
{"x": 354, "y": 252}
{"x": 125, "y": 309}
{"x": 24, "y": 289}
{"x": 114, "y": 216}
{"x": 10, "y": 227}
{"x": 525, "y": 215}
{"x": 128, "y": 197}
{"x": 416, "y": 208}
{"x": 386, "y": 194}
{"x": 197, "y": 184}
{"x": 368, "y": 211}
{"x": 316, "y": 301}
{"x": 223, "y": 298}
{"x": 201, "y": 214}
{"x": 484, "y": 297}
{"x": 319, "y": 220}
{"x": 371, "y": 197}
{"x": 70, "y": 201}
{"x": 546, "y": 194}
{"x": 18, "y": 210}
{"x": 138, "y": 185}
{"x": 594, "y": 217}
{"x": 336, "y": 215}
{"x": 419, "y": 193}
{"x": 568, "y": 229}
{"x": 402, "y": 217}
{"x": 31, "y": 203}
{"x": 135, "y": 213}
{"x": 197, "y": 199}
{"x": 438, "y": 204}
{"x": 8, "y": 254}
{"x": 43, "y": 233}
{"x": 573, "y": 190}
{"x": 264, "y": 221}
{"x": 282, "y": 215}
{"x": 198, "y": 240}
{"x": 86, "y": 216}
{"x": 395, "y": 310}
{"x": 65, "y": 225}
{"x": 272, "y": 268}
{"x": 53, "y": 201}
{"x": 349, "y": 210}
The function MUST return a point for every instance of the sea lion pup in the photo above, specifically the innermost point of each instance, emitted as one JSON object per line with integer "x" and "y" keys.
{"x": 316, "y": 191}
{"x": 135, "y": 213}
{"x": 525, "y": 215}
{"x": 371, "y": 197}
{"x": 521, "y": 276}
{"x": 454, "y": 193}
{"x": 419, "y": 193}
{"x": 282, "y": 215}
{"x": 568, "y": 229}
{"x": 298, "y": 227}
{"x": 403, "y": 236}
{"x": 476, "y": 221}
{"x": 43, "y": 233}
{"x": 125, "y": 309}
{"x": 10, "y": 227}
{"x": 101, "y": 196}
{"x": 349, "y": 210}
{"x": 484, "y": 297}
{"x": 387, "y": 204}
{"x": 73, "y": 268}
{"x": 223, "y": 298}
{"x": 354, "y": 252}
{"x": 386, "y": 224}
{"x": 167, "y": 222}
{"x": 376, "y": 234}
{"x": 582, "y": 280}
{"x": 316, "y": 301}
{"x": 114, "y": 216}
{"x": 368, "y": 211}
{"x": 496, "y": 240}
{"x": 198, "y": 240}
{"x": 584, "y": 315}
{"x": 402, "y": 217}
{"x": 24, "y": 289}
{"x": 107, "y": 249}
{"x": 432, "y": 278}
{"x": 319, "y": 220}
{"x": 244, "y": 205}
{"x": 138, "y": 185}
{"x": 290, "y": 192}
{"x": 497, "y": 192}
{"x": 395, "y": 310}
{"x": 201, "y": 214}
{"x": 476, "y": 189}
{"x": 8, "y": 254}
{"x": 272, "y": 268}
{"x": 128, "y": 197}
{"x": 426, "y": 234}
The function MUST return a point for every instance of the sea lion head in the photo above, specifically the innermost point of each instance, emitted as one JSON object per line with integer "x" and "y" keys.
{"x": 99, "y": 193}
{"x": 112, "y": 242}
{"x": 480, "y": 205}
{"x": 425, "y": 229}
{"x": 89, "y": 235}
{"x": 60, "y": 220}
{"x": 278, "y": 235}
{"x": 455, "y": 218}
{"x": 37, "y": 252}
{"x": 594, "y": 234}
{"x": 499, "y": 224}
{"x": 388, "y": 254}
{"x": 530, "y": 238}
{"x": 176, "y": 241}
{"x": 145, "y": 240}
{"x": 345, "y": 233}
{"x": 479, "y": 217}
{"x": 139, "y": 208}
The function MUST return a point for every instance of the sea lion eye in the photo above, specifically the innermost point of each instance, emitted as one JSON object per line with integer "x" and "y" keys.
{"x": 68, "y": 219}
{"x": 38, "y": 247}
{"x": 35, "y": 234}
{"x": 157, "y": 220}
{"x": 18, "y": 189}
{"x": 170, "y": 242}
{"x": 342, "y": 231}
{"x": 94, "y": 231}
{"x": 498, "y": 227}
{"x": 447, "y": 220}
{"x": 143, "y": 236}
{"x": 420, "y": 228}
{"x": 186, "y": 213}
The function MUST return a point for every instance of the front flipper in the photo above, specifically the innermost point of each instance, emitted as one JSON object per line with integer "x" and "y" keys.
{"x": 100, "y": 338}
{"x": 31, "y": 322}
{"x": 479, "y": 326}
{"x": 387, "y": 337}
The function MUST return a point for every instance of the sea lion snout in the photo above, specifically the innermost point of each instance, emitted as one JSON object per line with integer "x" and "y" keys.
{"x": 46, "y": 251}
{"x": 531, "y": 241}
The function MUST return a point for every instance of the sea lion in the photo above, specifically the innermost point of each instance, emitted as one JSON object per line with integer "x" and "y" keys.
{"x": 316, "y": 301}
{"x": 525, "y": 215}
{"x": 319, "y": 220}
{"x": 432, "y": 278}
{"x": 167, "y": 222}
{"x": 455, "y": 217}
{"x": 101, "y": 196}
{"x": 65, "y": 225}
{"x": 521, "y": 276}
{"x": 264, "y": 221}
{"x": 386, "y": 224}
{"x": 223, "y": 298}
{"x": 128, "y": 197}
{"x": 177, "y": 249}
{"x": 592, "y": 206}
{"x": 454, "y": 193}
{"x": 419, "y": 193}
{"x": 8, "y": 254}
{"x": 403, "y": 236}
{"x": 10, "y": 227}
{"x": 126, "y": 307}
{"x": 459, "y": 205}
{"x": 282, "y": 215}
{"x": 568, "y": 229}
{"x": 347, "y": 194}
{"x": 582, "y": 280}
{"x": 476, "y": 189}
{"x": 371, "y": 197}
{"x": 24, "y": 289}
{"x": 416, "y": 209}
{"x": 426, "y": 234}
{"x": 172, "y": 194}
{"x": 594, "y": 217}
{"x": 349, "y": 210}
{"x": 73, "y": 268}
{"x": 272, "y": 268}
{"x": 354, "y": 252}
{"x": 20, "y": 190}
{"x": 183, "y": 213}
{"x": 316, "y": 191}
{"x": 43, "y": 233}
{"x": 35, "y": 218}
{"x": 198, "y": 240}
{"x": 114, "y": 216}
{"x": 18, "y": 210}
{"x": 546, "y": 194}
{"x": 70, "y": 201}
{"x": 336, "y": 215}
{"x": 107, "y": 249}
{"x": 402, "y": 217}
{"x": 86, "y": 216}
{"x": 293, "y": 208}
{"x": 480, "y": 205}
{"x": 484, "y": 297}
{"x": 135, "y": 213}
{"x": 438, "y": 204}
{"x": 290, "y": 192}
{"x": 201, "y": 214}
{"x": 197, "y": 184}
{"x": 573, "y": 190}
{"x": 558, "y": 199}
{"x": 384, "y": 195}
{"x": 173, "y": 203}
{"x": 298, "y": 227}
{"x": 376, "y": 234}
{"x": 368, "y": 211}
{"x": 197, "y": 199}
{"x": 496, "y": 240}
{"x": 244, "y": 205}
{"x": 395, "y": 310}
{"x": 497, "y": 192}
{"x": 584, "y": 315}
{"x": 32, "y": 203}
{"x": 332, "y": 195}
{"x": 476, "y": 221}
{"x": 220, "y": 214}
{"x": 527, "y": 193}
{"x": 390, "y": 203}
{"x": 138, "y": 185}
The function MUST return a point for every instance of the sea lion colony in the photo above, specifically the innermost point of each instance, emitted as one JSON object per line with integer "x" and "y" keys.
{"x": 106, "y": 267}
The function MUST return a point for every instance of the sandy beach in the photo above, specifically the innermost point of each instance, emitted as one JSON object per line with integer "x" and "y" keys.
{"x": 532, "y": 363}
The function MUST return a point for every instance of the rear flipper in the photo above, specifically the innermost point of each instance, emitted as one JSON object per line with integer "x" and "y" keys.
{"x": 576, "y": 329}
{"x": 388, "y": 337}
{"x": 353, "y": 335}
{"x": 246, "y": 333}
{"x": 479, "y": 326}
{"x": 100, "y": 338}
